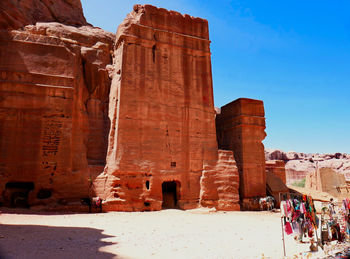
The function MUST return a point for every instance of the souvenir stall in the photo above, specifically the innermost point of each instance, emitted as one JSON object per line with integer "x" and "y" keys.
{"x": 299, "y": 217}
{"x": 335, "y": 221}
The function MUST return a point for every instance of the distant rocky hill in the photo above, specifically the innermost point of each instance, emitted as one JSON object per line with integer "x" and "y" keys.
{"x": 298, "y": 165}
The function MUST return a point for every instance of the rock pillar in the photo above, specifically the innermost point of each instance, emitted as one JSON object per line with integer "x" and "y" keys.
{"x": 161, "y": 111}
{"x": 241, "y": 128}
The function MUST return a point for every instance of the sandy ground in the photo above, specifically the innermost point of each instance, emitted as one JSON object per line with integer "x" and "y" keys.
{"x": 199, "y": 233}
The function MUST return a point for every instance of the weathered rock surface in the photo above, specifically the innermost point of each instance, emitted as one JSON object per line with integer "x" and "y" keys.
{"x": 220, "y": 183}
{"x": 128, "y": 117}
{"x": 277, "y": 167}
{"x": 17, "y": 14}
{"x": 241, "y": 128}
{"x": 161, "y": 111}
{"x": 54, "y": 90}
{"x": 327, "y": 180}
{"x": 298, "y": 165}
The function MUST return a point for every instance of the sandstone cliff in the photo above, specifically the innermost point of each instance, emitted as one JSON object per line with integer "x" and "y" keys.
{"x": 17, "y": 14}
{"x": 298, "y": 165}
{"x": 54, "y": 91}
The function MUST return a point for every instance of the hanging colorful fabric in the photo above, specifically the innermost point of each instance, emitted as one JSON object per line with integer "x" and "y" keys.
{"x": 288, "y": 228}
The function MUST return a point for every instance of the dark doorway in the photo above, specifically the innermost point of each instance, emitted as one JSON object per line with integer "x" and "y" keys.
{"x": 16, "y": 194}
{"x": 170, "y": 195}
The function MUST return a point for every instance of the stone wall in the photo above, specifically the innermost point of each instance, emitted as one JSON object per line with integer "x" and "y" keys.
{"x": 241, "y": 128}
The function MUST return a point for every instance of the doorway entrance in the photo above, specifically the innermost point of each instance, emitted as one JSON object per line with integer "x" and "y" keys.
{"x": 16, "y": 194}
{"x": 170, "y": 194}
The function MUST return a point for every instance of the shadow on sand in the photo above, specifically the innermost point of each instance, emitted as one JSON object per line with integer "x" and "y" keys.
{"x": 35, "y": 241}
{"x": 84, "y": 210}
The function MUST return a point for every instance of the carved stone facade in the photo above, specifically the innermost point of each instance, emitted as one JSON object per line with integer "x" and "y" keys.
{"x": 128, "y": 117}
{"x": 241, "y": 128}
{"x": 53, "y": 122}
{"x": 161, "y": 111}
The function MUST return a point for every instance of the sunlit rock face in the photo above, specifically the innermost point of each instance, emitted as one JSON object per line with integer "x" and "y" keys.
{"x": 241, "y": 128}
{"x": 54, "y": 90}
{"x": 300, "y": 165}
{"x": 128, "y": 117}
{"x": 161, "y": 111}
{"x": 17, "y": 14}
{"x": 220, "y": 183}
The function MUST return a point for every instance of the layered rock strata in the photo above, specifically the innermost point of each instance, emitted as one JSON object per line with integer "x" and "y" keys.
{"x": 161, "y": 111}
{"x": 127, "y": 117}
{"x": 299, "y": 165}
{"x": 220, "y": 184}
{"x": 54, "y": 90}
{"x": 241, "y": 128}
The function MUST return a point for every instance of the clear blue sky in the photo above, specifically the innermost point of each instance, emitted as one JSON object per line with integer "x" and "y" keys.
{"x": 293, "y": 55}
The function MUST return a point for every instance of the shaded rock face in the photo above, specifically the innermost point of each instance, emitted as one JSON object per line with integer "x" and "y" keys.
{"x": 277, "y": 167}
{"x": 17, "y": 14}
{"x": 299, "y": 165}
{"x": 240, "y": 127}
{"x": 54, "y": 90}
{"x": 161, "y": 111}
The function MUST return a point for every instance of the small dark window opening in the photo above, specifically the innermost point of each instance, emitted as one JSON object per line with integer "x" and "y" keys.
{"x": 154, "y": 53}
{"x": 147, "y": 185}
{"x": 147, "y": 204}
{"x": 173, "y": 164}
{"x": 20, "y": 185}
{"x": 44, "y": 194}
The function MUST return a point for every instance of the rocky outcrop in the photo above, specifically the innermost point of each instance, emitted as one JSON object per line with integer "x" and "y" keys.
{"x": 54, "y": 90}
{"x": 327, "y": 180}
{"x": 17, "y": 14}
{"x": 220, "y": 183}
{"x": 240, "y": 127}
{"x": 298, "y": 165}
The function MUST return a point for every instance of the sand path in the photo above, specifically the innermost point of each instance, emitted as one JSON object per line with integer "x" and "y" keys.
{"x": 196, "y": 233}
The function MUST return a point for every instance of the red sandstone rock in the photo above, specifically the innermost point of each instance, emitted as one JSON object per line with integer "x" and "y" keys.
{"x": 220, "y": 183}
{"x": 277, "y": 167}
{"x": 161, "y": 111}
{"x": 160, "y": 131}
{"x": 17, "y": 14}
{"x": 240, "y": 127}
{"x": 54, "y": 92}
